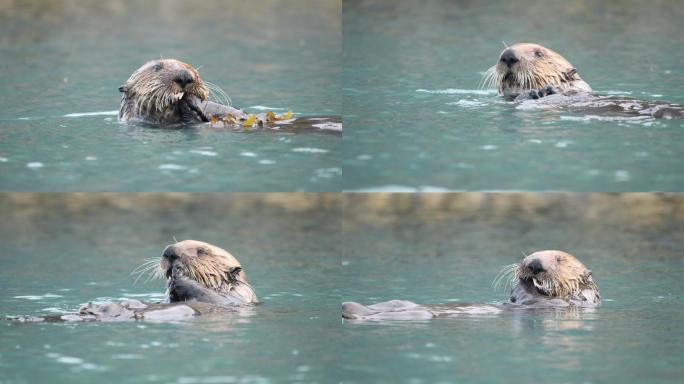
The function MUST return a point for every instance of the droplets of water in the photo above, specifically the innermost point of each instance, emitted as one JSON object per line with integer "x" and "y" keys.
{"x": 172, "y": 167}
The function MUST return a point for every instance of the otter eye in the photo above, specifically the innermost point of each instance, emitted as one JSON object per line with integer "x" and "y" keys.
{"x": 202, "y": 252}
{"x": 538, "y": 53}
{"x": 157, "y": 67}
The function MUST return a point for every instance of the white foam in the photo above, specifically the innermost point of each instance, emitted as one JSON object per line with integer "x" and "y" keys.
{"x": 310, "y": 150}
{"x": 265, "y": 108}
{"x": 38, "y": 297}
{"x": 337, "y": 127}
{"x": 266, "y": 162}
{"x": 613, "y": 92}
{"x": 457, "y": 91}
{"x": 624, "y": 119}
{"x": 100, "y": 113}
{"x": 69, "y": 360}
{"x": 203, "y": 152}
{"x": 468, "y": 103}
{"x": 248, "y": 154}
{"x": 35, "y": 164}
{"x": 172, "y": 167}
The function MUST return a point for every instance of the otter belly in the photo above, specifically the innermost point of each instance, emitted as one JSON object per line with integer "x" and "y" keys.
{"x": 401, "y": 310}
{"x": 603, "y": 106}
{"x": 132, "y": 310}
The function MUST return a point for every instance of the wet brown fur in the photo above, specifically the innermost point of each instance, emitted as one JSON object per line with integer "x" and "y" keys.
{"x": 151, "y": 93}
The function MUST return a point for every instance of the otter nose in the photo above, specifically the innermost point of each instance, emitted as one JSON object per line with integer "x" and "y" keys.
{"x": 508, "y": 57}
{"x": 183, "y": 78}
{"x": 170, "y": 253}
{"x": 535, "y": 266}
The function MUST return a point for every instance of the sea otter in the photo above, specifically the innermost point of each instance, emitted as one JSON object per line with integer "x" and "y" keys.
{"x": 170, "y": 92}
{"x": 543, "y": 279}
{"x": 200, "y": 278}
{"x": 527, "y": 71}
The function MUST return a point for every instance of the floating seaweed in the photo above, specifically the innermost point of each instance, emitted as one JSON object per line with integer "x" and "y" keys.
{"x": 250, "y": 120}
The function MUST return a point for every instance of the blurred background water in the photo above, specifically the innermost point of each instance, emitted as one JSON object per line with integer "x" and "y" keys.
{"x": 63, "y": 60}
{"x": 435, "y": 248}
{"x": 417, "y": 119}
{"x": 63, "y": 250}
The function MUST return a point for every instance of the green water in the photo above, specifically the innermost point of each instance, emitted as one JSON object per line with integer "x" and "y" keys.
{"x": 635, "y": 336}
{"x": 55, "y": 261}
{"x": 63, "y": 58}
{"x": 416, "y": 118}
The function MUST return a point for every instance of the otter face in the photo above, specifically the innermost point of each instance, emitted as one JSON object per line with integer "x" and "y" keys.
{"x": 527, "y": 66}
{"x": 156, "y": 89}
{"x": 551, "y": 275}
{"x": 211, "y": 267}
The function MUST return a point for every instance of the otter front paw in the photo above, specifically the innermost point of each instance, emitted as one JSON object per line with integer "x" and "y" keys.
{"x": 539, "y": 93}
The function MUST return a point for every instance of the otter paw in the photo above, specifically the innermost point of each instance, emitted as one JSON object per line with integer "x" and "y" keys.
{"x": 539, "y": 93}
{"x": 535, "y": 94}
{"x": 549, "y": 90}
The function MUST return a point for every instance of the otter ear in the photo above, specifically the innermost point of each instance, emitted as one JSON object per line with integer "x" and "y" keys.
{"x": 235, "y": 271}
{"x": 587, "y": 276}
{"x": 570, "y": 74}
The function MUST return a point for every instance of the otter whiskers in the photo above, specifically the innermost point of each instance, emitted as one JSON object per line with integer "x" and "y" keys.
{"x": 149, "y": 268}
{"x": 505, "y": 277}
{"x": 219, "y": 94}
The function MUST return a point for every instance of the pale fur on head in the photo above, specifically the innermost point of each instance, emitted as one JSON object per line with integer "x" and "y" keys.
{"x": 562, "y": 276}
{"x": 537, "y": 67}
{"x": 211, "y": 266}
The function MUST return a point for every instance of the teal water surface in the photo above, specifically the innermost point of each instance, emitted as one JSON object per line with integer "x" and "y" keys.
{"x": 418, "y": 120}
{"x": 55, "y": 259}
{"x": 434, "y": 254}
{"x": 63, "y": 62}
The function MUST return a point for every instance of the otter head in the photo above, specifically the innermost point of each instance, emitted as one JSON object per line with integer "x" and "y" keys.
{"x": 526, "y": 66}
{"x": 155, "y": 90}
{"x": 552, "y": 275}
{"x": 210, "y": 270}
